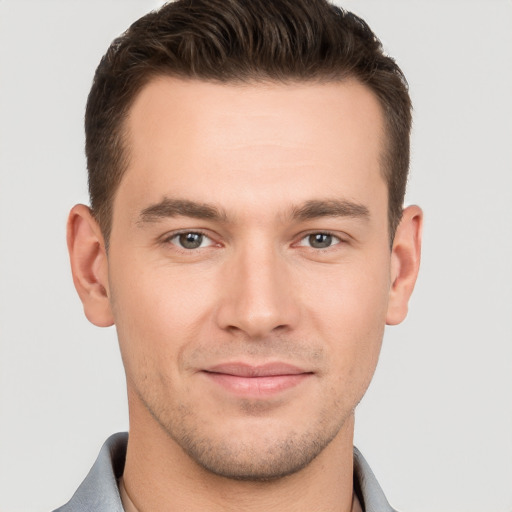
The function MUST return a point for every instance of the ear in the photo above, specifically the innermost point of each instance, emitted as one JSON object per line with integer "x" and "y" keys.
{"x": 89, "y": 265}
{"x": 405, "y": 263}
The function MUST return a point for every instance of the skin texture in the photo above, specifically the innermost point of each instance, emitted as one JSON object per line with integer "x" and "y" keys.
{"x": 262, "y": 173}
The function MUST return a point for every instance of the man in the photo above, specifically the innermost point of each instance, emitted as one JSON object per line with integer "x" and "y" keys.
{"x": 247, "y": 168}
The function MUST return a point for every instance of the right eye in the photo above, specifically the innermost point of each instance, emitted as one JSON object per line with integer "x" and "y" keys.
{"x": 190, "y": 240}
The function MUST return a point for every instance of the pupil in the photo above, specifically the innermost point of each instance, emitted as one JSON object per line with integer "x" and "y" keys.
{"x": 191, "y": 240}
{"x": 320, "y": 240}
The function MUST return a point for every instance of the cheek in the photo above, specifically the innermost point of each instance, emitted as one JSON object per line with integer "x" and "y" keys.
{"x": 158, "y": 312}
{"x": 351, "y": 297}
{"x": 350, "y": 315}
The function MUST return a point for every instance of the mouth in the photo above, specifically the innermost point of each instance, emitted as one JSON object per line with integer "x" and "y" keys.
{"x": 256, "y": 380}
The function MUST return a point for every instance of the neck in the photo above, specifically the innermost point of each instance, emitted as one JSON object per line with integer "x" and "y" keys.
{"x": 160, "y": 476}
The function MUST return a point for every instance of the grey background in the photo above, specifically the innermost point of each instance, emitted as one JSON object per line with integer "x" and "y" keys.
{"x": 436, "y": 425}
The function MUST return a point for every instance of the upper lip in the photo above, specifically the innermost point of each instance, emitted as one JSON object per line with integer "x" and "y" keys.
{"x": 259, "y": 370}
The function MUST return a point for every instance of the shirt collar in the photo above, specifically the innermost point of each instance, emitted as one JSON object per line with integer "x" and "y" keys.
{"x": 99, "y": 492}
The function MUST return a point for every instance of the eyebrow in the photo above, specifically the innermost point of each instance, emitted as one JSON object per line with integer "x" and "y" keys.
{"x": 312, "y": 209}
{"x": 180, "y": 207}
{"x": 330, "y": 208}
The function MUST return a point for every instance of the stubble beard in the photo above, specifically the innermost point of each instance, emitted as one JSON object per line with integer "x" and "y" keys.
{"x": 270, "y": 459}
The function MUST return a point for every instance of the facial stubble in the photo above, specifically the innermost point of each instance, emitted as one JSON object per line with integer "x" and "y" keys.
{"x": 273, "y": 457}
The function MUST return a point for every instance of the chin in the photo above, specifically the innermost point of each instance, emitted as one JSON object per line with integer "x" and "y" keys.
{"x": 256, "y": 456}
{"x": 253, "y": 463}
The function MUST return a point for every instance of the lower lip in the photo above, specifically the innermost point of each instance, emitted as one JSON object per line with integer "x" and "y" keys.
{"x": 257, "y": 386}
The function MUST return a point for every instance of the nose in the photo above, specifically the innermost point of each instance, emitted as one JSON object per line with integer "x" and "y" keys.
{"x": 258, "y": 297}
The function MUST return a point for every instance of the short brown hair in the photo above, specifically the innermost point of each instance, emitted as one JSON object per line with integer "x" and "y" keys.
{"x": 229, "y": 41}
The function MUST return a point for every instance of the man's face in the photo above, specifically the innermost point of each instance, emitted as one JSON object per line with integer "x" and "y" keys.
{"x": 249, "y": 267}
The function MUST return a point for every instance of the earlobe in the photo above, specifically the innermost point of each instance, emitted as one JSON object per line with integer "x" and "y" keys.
{"x": 89, "y": 265}
{"x": 405, "y": 263}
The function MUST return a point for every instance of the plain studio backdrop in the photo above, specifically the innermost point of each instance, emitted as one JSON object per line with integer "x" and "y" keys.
{"x": 436, "y": 424}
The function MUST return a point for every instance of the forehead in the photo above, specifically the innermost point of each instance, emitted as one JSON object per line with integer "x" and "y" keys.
{"x": 257, "y": 108}
{"x": 221, "y": 139}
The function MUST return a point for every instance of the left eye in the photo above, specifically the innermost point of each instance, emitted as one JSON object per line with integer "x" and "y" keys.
{"x": 190, "y": 240}
{"x": 319, "y": 240}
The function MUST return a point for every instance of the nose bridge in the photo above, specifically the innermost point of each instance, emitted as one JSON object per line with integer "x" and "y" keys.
{"x": 258, "y": 298}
